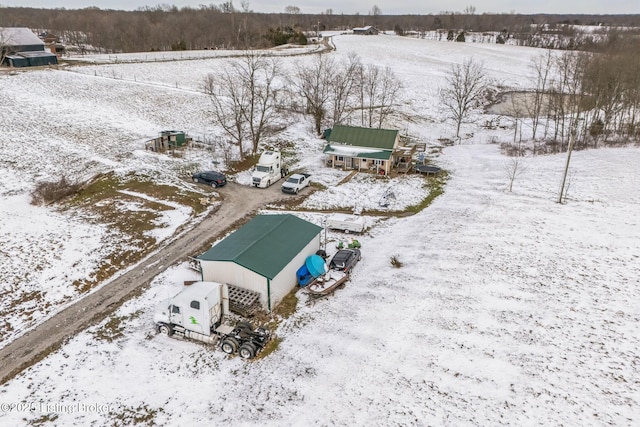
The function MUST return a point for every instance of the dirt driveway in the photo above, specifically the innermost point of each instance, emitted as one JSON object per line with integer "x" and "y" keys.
{"x": 239, "y": 203}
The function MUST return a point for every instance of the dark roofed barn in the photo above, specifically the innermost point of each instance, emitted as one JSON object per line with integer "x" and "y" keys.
{"x": 20, "y": 47}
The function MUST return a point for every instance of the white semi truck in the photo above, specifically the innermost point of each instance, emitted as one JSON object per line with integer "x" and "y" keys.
{"x": 269, "y": 169}
{"x": 197, "y": 312}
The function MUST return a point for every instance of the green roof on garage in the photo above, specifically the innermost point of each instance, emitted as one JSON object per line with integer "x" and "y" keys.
{"x": 266, "y": 244}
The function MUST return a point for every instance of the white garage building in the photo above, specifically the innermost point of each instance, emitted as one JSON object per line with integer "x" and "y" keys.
{"x": 263, "y": 256}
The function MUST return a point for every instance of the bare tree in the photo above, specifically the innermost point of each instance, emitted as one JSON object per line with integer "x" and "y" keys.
{"x": 244, "y": 98}
{"x": 244, "y": 6}
{"x": 571, "y": 73}
{"x": 629, "y": 122}
{"x": 344, "y": 88}
{"x": 5, "y": 40}
{"x": 515, "y": 165}
{"x": 369, "y": 81}
{"x": 314, "y": 84}
{"x": 259, "y": 73}
{"x": 571, "y": 67}
{"x": 388, "y": 94}
{"x": 332, "y": 91}
{"x": 227, "y": 7}
{"x": 379, "y": 90}
{"x": 541, "y": 66}
{"x": 465, "y": 86}
{"x": 292, "y": 10}
{"x": 229, "y": 101}
{"x": 469, "y": 10}
{"x": 375, "y": 11}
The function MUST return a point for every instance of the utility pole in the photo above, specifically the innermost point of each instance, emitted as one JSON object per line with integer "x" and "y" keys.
{"x": 324, "y": 223}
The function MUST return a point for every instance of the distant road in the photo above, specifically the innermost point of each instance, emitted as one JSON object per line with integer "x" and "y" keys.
{"x": 191, "y": 55}
{"x": 239, "y": 203}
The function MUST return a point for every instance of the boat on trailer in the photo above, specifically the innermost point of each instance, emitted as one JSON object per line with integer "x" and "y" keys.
{"x": 327, "y": 283}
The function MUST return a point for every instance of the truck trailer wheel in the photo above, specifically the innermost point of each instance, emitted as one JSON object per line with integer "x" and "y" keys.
{"x": 247, "y": 351}
{"x": 230, "y": 345}
{"x": 165, "y": 330}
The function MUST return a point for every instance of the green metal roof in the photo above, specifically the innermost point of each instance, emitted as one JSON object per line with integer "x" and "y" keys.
{"x": 363, "y": 137}
{"x": 266, "y": 244}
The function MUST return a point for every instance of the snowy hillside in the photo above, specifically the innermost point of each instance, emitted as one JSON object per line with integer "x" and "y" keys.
{"x": 508, "y": 309}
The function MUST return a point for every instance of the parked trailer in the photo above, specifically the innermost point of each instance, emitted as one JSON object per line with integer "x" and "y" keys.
{"x": 346, "y": 222}
{"x": 197, "y": 313}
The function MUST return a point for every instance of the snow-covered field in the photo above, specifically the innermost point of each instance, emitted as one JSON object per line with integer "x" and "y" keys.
{"x": 508, "y": 309}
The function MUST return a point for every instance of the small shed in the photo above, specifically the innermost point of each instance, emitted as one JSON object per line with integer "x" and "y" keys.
{"x": 263, "y": 256}
{"x": 168, "y": 139}
{"x": 22, "y": 48}
{"x": 358, "y": 148}
{"x": 32, "y": 59}
{"x": 369, "y": 30}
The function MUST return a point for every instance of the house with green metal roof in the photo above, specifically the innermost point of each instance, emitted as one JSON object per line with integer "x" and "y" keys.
{"x": 263, "y": 256}
{"x": 358, "y": 148}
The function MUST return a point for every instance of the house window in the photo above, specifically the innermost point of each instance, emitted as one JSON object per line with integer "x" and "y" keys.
{"x": 195, "y": 304}
{"x": 378, "y": 162}
{"x": 364, "y": 160}
{"x": 339, "y": 159}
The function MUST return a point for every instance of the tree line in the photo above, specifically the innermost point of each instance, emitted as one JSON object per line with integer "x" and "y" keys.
{"x": 579, "y": 99}
{"x": 584, "y": 98}
{"x": 225, "y": 26}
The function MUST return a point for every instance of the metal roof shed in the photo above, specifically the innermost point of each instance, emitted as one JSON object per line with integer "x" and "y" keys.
{"x": 16, "y": 61}
{"x": 39, "y": 59}
{"x": 263, "y": 256}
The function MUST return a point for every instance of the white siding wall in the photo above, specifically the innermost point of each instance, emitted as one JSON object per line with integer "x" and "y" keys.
{"x": 285, "y": 281}
{"x": 234, "y": 274}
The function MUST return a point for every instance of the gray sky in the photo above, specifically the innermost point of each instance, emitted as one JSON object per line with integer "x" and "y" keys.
{"x": 363, "y": 7}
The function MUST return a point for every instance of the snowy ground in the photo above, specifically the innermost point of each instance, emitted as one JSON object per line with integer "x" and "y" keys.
{"x": 509, "y": 308}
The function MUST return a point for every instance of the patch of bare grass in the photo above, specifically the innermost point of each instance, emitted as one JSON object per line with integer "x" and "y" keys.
{"x": 103, "y": 201}
{"x": 48, "y": 192}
